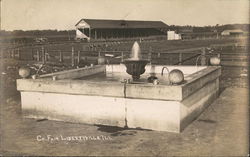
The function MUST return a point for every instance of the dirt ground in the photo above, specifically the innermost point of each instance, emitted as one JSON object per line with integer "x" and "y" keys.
{"x": 221, "y": 130}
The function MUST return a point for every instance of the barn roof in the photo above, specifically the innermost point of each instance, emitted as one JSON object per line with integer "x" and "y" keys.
{"x": 99, "y": 23}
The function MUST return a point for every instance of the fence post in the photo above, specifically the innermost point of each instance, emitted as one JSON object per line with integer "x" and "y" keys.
{"x": 60, "y": 56}
{"x": 9, "y": 52}
{"x": 1, "y": 53}
{"x": 86, "y": 59}
{"x": 236, "y": 45}
{"x": 150, "y": 54}
{"x": 218, "y": 55}
{"x": 106, "y": 45}
{"x": 99, "y": 54}
{"x": 43, "y": 55}
{"x": 72, "y": 57}
{"x": 32, "y": 53}
{"x": 122, "y": 59}
{"x": 37, "y": 55}
{"x": 13, "y": 53}
{"x": 180, "y": 58}
{"x": 203, "y": 57}
{"x": 78, "y": 57}
{"x": 47, "y": 55}
{"x": 18, "y": 53}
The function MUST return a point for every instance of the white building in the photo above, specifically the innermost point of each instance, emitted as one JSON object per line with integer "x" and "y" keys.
{"x": 173, "y": 36}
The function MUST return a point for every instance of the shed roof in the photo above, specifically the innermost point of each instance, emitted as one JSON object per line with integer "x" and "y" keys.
{"x": 100, "y": 23}
{"x": 232, "y": 31}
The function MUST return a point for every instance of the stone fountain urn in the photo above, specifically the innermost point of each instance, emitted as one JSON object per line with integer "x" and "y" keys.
{"x": 135, "y": 64}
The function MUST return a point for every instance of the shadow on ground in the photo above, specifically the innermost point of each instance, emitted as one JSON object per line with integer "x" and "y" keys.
{"x": 119, "y": 131}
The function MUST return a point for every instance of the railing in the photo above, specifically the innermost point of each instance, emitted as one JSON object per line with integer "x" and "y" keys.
{"x": 90, "y": 53}
{"x": 74, "y": 57}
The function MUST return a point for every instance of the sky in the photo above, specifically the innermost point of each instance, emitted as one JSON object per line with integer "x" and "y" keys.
{"x": 64, "y": 14}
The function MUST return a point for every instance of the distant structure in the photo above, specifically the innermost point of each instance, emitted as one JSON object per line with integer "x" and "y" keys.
{"x": 198, "y": 33}
{"x": 186, "y": 33}
{"x": 88, "y": 29}
{"x": 232, "y": 32}
{"x": 172, "y": 35}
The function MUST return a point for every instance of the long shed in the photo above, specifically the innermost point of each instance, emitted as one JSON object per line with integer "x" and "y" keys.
{"x": 105, "y": 29}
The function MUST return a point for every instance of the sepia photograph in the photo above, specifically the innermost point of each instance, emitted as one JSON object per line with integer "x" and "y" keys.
{"x": 124, "y": 78}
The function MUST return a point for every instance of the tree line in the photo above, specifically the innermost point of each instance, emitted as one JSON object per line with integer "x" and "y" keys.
{"x": 187, "y": 28}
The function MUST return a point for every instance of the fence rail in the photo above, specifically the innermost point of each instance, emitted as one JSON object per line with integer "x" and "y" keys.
{"x": 90, "y": 53}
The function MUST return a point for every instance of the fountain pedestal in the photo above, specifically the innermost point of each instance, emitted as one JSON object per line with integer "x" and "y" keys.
{"x": 135, "y": 67}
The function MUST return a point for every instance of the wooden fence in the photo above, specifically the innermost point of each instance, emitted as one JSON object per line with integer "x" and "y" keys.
{"x": 90, "y": 53}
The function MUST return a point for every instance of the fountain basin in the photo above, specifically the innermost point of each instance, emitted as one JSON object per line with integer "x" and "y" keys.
{"x": 98, "y": 95}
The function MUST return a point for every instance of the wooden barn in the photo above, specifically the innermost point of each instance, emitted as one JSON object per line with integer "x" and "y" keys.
{"x": 112, "y": 29}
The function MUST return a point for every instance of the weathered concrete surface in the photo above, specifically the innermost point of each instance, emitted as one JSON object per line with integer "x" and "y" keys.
{"x": 117, "y": 104}
{"x": 116, "y": 89}
{"x": 196, "y": 103}
{"x": 222, "y": 130}
{"x": 171, "y": 116}
{"x": 200, "y": 79}
{"x": 74, "y": 108}
{"x": 76, "y": 73}
{"x": 71, "y": 87}
{"x": 153, "y": 114}
{"x": 187, "y": 69}
{"x": 159, "y": 115}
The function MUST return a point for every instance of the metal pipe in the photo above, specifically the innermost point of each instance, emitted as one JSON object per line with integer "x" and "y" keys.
{"x": 197, "y": 60}
{"x": 162, "y": 70}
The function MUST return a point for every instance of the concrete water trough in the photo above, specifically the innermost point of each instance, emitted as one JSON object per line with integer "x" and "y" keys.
{"x": 100, "y": 94}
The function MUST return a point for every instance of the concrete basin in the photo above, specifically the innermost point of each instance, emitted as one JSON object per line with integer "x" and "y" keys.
{"x": 98, "y": 95}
